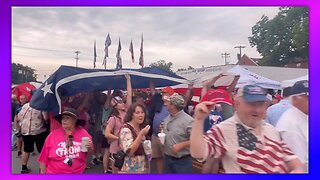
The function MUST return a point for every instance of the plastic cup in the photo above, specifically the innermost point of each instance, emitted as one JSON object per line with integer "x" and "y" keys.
{"x": 162, "y": 137}
{"x": 147, "y": 149}
{"x": 84, "y": 142}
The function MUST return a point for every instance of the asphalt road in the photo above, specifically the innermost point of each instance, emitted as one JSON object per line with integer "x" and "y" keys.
{"x": 34, "y": 165}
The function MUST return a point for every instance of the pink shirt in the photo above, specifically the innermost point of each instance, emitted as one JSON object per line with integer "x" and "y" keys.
{"x": 115, "y": 124}
{"x": 54, "y": 152}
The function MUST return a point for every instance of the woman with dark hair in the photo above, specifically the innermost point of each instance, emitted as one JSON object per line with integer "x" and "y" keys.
{"x": 116, "y": 120}
{"x": 61, "y": 152}
{"x": 131, "y": 138}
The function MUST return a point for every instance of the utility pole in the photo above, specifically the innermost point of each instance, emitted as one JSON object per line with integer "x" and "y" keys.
{"x": 225, "y": 56}
{"x": 26, "y": 73}
{"x": 240, "y": 47}
{"x": 77, "y": 57}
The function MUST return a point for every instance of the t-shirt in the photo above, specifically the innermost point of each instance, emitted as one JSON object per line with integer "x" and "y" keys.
{"x": 243, "y": 151}
{"x": 158, "y": 119}
{"x": 215, "y": 117}
{"x": 177, "y": 129}
{"x": 32, "y": 122}
{"x": 105, "y": 117}
{"x": 13, "y": 110}
{"x": 54, "y": 152}
{"x": 293, "y": 126}
{"x": 274, "y": 112}
{"x": 115, "y": 124}
{"x": 95, "y": 112}
{"x": 18, "y": 109}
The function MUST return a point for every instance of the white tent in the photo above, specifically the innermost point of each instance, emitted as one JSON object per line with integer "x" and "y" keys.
{"x": 225, "y": 80}
{"x": 248, "y": 77}
{"x": 290, "y": 82}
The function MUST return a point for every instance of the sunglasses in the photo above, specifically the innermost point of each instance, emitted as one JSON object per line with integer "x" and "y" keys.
{"x": 118, "y": 100}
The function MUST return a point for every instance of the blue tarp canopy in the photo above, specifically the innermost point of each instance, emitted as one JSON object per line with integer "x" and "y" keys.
{"x": 68, "y": 81}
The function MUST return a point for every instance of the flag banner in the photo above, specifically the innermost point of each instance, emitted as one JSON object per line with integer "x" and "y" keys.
{"x": 131, "y": 51}
{"x": 119, "y": 59}
{"x": 68, "y": 81}
{"x": 141, "y": 61}
{"x": 94, "y": 55}
{"x": 106, "y": 51}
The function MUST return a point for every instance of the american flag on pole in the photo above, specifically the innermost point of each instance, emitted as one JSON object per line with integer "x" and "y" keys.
{"x": 141, "y": 62}
{"x": 94, "y": 55}
{"x": 251, "y": 155}
{"x": 106, "y": 46}
{"x": 119, "y": 60}
{"x": 131, "y": 51}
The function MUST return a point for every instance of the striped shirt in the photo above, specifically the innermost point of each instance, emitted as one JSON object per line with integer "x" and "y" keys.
{"x": 242, "y": 151}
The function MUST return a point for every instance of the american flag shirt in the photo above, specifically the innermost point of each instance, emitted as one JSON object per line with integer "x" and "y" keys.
{"x": 242, "y": 151}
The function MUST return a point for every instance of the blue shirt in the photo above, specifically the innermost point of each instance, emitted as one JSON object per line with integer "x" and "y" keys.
{"x": 215, "y": 117}
{"x": 18, "y": 109}
{"x": 158, "y": 119}
{"x": 274, "y": 112}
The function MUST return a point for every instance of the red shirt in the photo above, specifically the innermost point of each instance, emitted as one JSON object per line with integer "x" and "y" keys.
{"x": 54, "y": 152}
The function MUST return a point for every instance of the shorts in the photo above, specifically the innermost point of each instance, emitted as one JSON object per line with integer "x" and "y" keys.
{"x": 29, "y": 141}
{"x": 105, "y": 143}
{"x": 157, "y": 147}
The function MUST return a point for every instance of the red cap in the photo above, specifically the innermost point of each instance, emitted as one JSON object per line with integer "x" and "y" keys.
{"x": 217, "y": 96}
{"x": 168, "y": 90}
{"x": 278, "y": 96}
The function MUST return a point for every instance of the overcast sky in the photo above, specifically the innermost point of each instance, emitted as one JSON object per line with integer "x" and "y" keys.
{"x": 46, "y": 37}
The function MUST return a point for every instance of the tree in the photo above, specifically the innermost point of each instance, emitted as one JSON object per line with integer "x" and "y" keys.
{"x": 163, "y": 65}
{"x": 184, "y": 69}
{"x": 190, "y": 68}
{"x": 282, "y": 39}
{"x": 181, "y": 69}
{"x": 21, "y": 74}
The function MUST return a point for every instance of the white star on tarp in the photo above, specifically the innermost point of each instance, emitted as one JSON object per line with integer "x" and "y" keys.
{"x": 46, "y": 89}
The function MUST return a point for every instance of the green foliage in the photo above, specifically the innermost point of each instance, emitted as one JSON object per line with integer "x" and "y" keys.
{"x": 21, "y": 74}
{"x": 284, "y": 38}
{"x": 163, "y": 65}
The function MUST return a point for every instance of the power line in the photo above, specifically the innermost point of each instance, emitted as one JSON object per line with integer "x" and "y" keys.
{"x": 225, "y": 56}
{"x": 240, "y": 47}
{"x": 54, "y": 54}
{"x": 41, "y": 49}
{"x": 51, "y": 50}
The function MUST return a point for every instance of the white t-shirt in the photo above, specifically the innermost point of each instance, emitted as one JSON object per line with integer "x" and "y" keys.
{"x": 293, "y": 127}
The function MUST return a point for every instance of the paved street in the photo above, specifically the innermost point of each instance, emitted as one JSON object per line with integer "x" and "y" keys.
{"x": 34, "y": 165}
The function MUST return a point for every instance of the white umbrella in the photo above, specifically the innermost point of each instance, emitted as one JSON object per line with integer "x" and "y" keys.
{"x": 248, "y": 77}
{"x": 290, "y": 82}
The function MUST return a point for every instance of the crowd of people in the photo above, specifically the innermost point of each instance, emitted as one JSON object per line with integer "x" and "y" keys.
{"x": 229, "y": 131}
